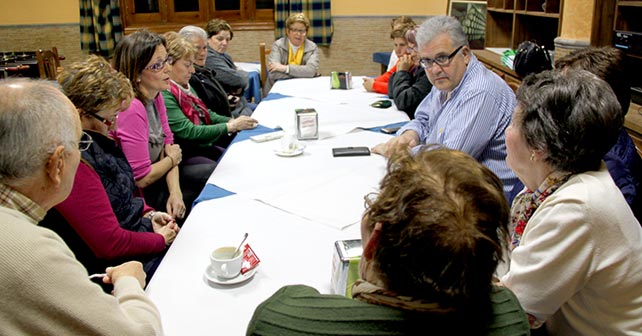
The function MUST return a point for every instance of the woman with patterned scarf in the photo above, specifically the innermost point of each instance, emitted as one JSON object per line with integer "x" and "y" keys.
{"x": 199, "y": 131}
{"x": 292, "y": 56}
{"x": 576, "y": 262}
{"x": 432, "y": 238}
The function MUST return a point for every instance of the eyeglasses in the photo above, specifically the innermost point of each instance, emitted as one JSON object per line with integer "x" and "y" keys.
{"x": 369, "y": 199}
{"x": 107, "y": 123}
{"x": 299, "y": 31}
{"x": 156, "y": 67}
{"x": 410, "y": 50}
{"x": 84, "y": 142}
{"x": 442, "y": 61}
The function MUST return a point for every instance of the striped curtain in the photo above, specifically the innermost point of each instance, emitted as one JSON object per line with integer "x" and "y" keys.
{"x": 100, "y": 26}
{"x": 317, "y": 11}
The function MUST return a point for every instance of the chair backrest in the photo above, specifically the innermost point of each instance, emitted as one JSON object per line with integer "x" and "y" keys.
{"x": 48, "y": 63}
{"x": 263, "y": 52}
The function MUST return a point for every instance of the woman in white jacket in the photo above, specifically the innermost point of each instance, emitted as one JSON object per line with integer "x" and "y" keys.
{"x": 576, "y": 263}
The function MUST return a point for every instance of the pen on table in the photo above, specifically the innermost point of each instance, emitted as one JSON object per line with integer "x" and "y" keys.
{"x": 97, "y": 275}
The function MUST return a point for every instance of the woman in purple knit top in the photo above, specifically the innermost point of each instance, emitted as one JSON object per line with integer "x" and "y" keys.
{"x": 144, "y": 134}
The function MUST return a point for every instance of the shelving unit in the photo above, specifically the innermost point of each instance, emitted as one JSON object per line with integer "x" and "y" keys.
{"x": 628, "y": 16}
{"x": 509, "y": 22}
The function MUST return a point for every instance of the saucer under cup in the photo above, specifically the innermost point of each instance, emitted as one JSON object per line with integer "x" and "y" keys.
{"x": 211, "y": 276}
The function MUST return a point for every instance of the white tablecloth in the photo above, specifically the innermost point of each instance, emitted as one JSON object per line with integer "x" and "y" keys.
{"x": 292, "y": 251}
{"x": 294, "y": 209}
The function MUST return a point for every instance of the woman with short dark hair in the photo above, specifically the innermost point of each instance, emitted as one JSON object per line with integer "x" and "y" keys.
{"x": 233, "y": 80}
{"x": 576, "y": 262}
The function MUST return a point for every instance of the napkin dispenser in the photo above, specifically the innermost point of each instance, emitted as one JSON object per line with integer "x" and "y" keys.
{"x": 341, "y": 80}
{"x": 345, "y": 266}
{"x": 307, "y": 124}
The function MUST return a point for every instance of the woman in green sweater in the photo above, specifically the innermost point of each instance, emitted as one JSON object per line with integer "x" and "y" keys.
{"x": 432, "y": 238}
{"x": 199, "y": 131}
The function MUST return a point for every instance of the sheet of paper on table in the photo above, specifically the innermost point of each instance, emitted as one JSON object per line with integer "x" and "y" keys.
{"x": 248, "y": 67}
{"x": 319, "y": 89}
{"x": 299, "y": 184}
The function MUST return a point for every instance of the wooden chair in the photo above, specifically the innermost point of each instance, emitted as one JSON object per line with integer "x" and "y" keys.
{"x": 263, "y": 52}
{"x": 48, "y": 63}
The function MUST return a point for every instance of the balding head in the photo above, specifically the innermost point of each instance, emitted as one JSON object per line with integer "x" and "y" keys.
{"x": 35, "y": 119}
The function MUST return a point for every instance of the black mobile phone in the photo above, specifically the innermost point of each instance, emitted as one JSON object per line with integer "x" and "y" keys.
{"x": 390, "y": 130}
{"x": 351, "y": 151}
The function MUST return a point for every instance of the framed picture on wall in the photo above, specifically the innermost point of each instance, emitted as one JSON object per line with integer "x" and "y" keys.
{"x": 472, "y": 15}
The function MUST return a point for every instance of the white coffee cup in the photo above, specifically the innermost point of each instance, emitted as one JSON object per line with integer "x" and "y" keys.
{"x": 289, "y": 143}
{"x": 224, "y": 264}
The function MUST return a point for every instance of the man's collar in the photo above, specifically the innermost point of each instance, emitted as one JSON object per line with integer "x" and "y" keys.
{"x": 13, "y": 199}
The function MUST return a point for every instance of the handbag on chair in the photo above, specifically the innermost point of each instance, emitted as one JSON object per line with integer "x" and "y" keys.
{"x": 531, "y": 58}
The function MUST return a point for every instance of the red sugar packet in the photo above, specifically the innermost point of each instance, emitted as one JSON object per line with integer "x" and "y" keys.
{"x": 250, "y": 259}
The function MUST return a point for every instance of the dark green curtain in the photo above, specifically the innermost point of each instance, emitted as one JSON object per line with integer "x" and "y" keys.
{"x": 100, "y": 26}
{"x": 317, "y": 11}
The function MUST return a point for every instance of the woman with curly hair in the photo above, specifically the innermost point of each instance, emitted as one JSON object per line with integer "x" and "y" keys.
{"x": 432, "y": 238}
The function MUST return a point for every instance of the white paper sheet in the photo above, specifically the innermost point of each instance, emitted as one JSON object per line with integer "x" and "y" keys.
{"x": 248, "y": 67}
{"x": 311, "y": 185}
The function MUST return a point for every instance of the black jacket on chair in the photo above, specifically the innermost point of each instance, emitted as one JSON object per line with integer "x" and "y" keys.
{"x": 213, "y": 94}
{"x": 210, "y": 91}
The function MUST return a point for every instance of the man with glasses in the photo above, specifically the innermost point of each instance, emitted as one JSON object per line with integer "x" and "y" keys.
{"x": 46, "y": 291}
{"x": 468, "y": 108}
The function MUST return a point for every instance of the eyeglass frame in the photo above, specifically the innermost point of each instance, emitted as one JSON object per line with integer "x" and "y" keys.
{"x": 300, "y": 31}
{"x": 369, "y": 199}
{"x": 433, "y": 61}
{"x": 410, "y": 50}
{"x": 107, "y": 123}
{"x": 84, "y": 145}
{"x": 158, "y": 66}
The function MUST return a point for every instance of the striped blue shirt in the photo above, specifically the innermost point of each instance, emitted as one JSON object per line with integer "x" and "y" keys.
{"x": 472, "y": 120}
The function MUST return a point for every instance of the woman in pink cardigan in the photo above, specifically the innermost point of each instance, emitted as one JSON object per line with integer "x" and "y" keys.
{"x": 144, "y": 134}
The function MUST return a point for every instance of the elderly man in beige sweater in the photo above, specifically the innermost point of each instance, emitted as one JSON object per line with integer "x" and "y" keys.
{"x": 44, "y": 290}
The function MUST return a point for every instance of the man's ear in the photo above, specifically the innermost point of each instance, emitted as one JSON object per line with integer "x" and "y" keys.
{"x": 466, "y": 53}
{"x": 373, "y": 242}
{"x": 55, "y": 165}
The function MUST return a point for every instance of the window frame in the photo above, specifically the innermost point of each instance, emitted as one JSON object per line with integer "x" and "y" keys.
{"x": 166, "y": 19}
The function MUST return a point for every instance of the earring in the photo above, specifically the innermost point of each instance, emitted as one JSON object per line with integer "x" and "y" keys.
{"x": 532, "y": 156}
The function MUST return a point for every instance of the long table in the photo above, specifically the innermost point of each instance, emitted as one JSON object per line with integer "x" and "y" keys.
{"x": 293, "y": 208}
